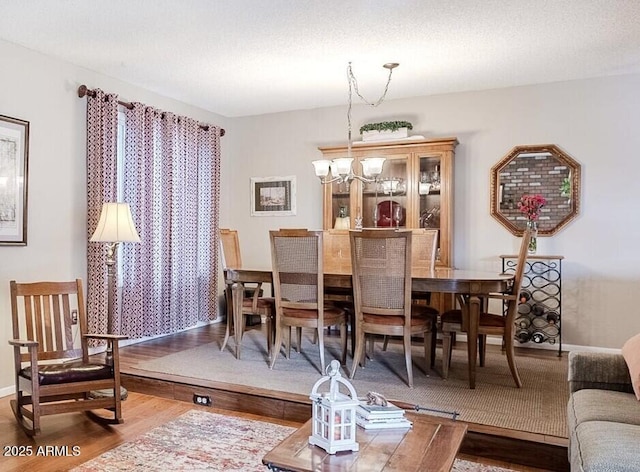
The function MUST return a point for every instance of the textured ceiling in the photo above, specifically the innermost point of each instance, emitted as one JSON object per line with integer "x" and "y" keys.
{"x": 249, "y": 57}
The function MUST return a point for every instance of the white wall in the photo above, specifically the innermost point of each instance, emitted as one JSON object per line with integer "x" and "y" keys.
{"x": 43, "y": 91}
{"x": 593, "y": 121}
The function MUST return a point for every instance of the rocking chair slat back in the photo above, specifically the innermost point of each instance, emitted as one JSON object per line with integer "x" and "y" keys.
{"x": 48, "y": 320}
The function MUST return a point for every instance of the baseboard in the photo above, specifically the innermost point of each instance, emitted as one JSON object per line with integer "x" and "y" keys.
{"x": 497, "y": 341}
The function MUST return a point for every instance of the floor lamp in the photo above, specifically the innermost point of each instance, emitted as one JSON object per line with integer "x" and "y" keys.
{"x": 114, "y": 226}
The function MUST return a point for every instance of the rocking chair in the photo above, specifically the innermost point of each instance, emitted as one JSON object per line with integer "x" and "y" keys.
{"x": 53, "y": 371}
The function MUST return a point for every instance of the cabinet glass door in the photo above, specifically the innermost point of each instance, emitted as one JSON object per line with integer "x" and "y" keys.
{"x": 341, "y": 204}
{"x": 384, "y": 202}
{"x": 429, "y": 186}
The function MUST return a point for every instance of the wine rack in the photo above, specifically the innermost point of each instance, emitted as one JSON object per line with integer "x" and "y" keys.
{"x": 539, "y": 318}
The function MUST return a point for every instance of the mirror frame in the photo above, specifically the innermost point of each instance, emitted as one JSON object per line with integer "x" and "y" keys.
{"x": 515, "y": 227}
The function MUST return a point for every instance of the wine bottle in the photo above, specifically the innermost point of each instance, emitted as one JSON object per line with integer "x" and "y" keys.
{"x": 538, "y": 310}
{"x": 538, "y": 337}
{"x": 522, "y": 335}
{"x": 525, "y": 296}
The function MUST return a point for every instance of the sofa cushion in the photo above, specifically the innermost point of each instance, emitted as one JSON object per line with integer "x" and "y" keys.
{"x": 602, "y": 405}
{"x": 606, "y": 446}
{"x": 631, "y": 354}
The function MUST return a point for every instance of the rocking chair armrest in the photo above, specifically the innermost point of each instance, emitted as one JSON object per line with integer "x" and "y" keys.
{"x": 23, "y": 343}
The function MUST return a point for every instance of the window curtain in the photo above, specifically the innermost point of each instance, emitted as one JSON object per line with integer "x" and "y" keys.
{"x": 102, "y": 124}
{"x": 171, "y": 181}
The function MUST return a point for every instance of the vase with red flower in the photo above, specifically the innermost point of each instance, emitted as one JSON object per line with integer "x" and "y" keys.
{"x": 530, "y": 206}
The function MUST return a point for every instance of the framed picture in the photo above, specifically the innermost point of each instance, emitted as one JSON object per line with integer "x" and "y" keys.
{"x": 14, "y": 153}
{"x": 273, "y": 196}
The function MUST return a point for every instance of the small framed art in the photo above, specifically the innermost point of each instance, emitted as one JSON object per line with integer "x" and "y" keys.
{"x": 273, "y": 196}
{"x": 14, "y": 154}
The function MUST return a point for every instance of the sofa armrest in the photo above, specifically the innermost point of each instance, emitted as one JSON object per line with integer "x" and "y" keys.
{"x": 606, "y": 371}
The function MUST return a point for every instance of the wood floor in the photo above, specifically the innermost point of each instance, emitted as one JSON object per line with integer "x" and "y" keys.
{"x": 156, "y": 400}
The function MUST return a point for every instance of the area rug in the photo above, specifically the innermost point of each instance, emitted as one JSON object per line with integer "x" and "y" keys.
{"x": 538, "y": 407}
{"x": 199, "y": 440}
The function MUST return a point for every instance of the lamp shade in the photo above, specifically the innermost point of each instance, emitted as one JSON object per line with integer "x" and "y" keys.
{"x": 321, "y": 167}
{"x": 343, "y": 165}
{"x": 372, "y": 166}
{"x": 115, "y": 225}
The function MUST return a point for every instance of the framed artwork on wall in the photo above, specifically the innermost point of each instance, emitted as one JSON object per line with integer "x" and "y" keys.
{"x": 273, "y": 196}
{"x": 14, "y": 154}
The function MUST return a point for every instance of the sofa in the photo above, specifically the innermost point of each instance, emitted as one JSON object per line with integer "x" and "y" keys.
{"x": 603, "y": 414}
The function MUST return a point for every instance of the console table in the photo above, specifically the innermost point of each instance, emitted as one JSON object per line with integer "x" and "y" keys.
{"x": 539, "y": 318}
{"x": 431, "y": 444}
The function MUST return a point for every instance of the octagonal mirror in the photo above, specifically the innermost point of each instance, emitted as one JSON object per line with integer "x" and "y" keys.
{"x": 536, "y": 170}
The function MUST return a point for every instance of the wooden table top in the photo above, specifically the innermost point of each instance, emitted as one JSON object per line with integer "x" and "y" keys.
{"x": 430, "y": 445}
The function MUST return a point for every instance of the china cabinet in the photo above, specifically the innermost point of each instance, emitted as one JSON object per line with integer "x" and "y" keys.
{"x": 415, "y": 189}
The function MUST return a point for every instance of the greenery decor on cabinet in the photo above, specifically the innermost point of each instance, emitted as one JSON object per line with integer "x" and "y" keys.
{"x": 385, "y": 130}
{"x": 386, "y": 126}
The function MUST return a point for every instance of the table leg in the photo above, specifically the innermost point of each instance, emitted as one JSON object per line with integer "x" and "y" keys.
{"x": 237, "y": 291}
{"x": 472, "y": 337}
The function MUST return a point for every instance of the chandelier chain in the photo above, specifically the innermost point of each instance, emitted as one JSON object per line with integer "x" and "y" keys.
{"x": 353, "y": 86}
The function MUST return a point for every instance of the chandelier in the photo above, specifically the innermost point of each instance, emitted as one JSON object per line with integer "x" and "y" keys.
{"x": 341, "y": 168}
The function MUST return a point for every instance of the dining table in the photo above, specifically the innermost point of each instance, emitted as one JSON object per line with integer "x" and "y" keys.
{"x": 471, "y": 287}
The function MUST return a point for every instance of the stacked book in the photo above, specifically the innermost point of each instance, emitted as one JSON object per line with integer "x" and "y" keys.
{"x": 381, "y": 417}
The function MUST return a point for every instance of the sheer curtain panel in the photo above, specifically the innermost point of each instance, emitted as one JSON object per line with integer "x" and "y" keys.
{"x": 171, "y": 181}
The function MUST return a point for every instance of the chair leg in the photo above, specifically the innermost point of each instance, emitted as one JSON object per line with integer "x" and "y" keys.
{"x": 227, "y": 333}
{"x": 372, "y": 345}
{"x": 343, "y": 339}
{"x": 482, "y": 347}
{"x": 511, "y": 359}
{"x": 385, "y": 342}
{"x": 407, "y": 356}
{"x": 428, "y": 351}
{"x": 276, "y": 345}
{"x": 446, "y": 353}
{"x": 352, "y": 329}
{"x": 358, "y": 353}
{"x": 244, "y": 324}
{"x": 269, "y": 336}
{"x": 299, "y": 340}
{"x": 320, "y": 332}
{"x": 434, "y": 342}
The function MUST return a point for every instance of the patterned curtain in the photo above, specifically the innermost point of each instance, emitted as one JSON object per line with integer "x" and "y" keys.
{"x": 102, "y": 125}
{"x": 171, "y": 182}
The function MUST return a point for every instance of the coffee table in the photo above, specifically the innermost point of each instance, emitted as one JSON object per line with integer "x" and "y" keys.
{"x": 430, "y": 445}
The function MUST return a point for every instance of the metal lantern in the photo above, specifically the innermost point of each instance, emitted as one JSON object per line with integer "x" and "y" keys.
{"x": 334, "y": 413}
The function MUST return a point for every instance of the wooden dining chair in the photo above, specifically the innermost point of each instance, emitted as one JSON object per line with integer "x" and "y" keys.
{"x": 53, "y": 371}
{"x": 298, "y": 283}
{"x": 424, "y": 246}
{"x": 253, "y": 303}
{"x": 381, "y": 263}
{"x": 502, "y": 324}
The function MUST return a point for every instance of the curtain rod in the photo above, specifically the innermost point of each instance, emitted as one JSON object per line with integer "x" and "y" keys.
{"x": 84, "y": 90}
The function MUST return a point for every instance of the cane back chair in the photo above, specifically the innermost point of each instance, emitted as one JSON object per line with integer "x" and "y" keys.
{"x": 298, "y": 283}
{"x": 381, "y": 263}
{"x": 253, "y": 303}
